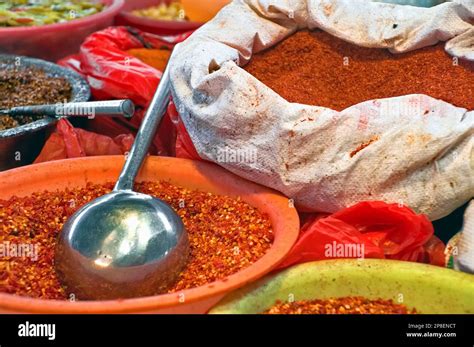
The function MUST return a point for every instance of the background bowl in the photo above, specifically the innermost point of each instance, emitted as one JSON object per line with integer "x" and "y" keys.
{"x": 427, "y": 288}
{"x": 21, "y": 145}
{"x": 160, "y": 27}
{"x": 189, "y": 174}
{"x": 55, "y": 41}
{"x": 203, "y": 10}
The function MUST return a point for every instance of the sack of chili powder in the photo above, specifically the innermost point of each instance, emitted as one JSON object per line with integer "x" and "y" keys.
{"x": 402, "y": 147}
{"x": 370, "y": 229}
{"x": 106, "y": 61}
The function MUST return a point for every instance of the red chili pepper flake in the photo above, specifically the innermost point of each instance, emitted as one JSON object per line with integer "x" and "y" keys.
{"x": 316, "y": 68}
{"x": 347, "y": 305}
{"x": 226, "y": 235}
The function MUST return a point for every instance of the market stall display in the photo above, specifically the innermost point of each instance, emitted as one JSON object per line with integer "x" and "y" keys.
{"x": 55, "y": 41}
{"x": 26, "y": 81}
{"x": 426, "y": 289}
{"x": 324, "y": 157}
{"x": 412, "y": 149}
{"x": 204, "y": 188}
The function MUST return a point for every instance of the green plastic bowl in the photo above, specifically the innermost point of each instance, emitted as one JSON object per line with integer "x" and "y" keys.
{"x": 427, "y": 288}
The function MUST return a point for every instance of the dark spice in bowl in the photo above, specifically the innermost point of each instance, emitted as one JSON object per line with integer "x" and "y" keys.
{"x": 226, "y": 235}
{"x": 347, "y": 305}
{"x": 29, "y": 86}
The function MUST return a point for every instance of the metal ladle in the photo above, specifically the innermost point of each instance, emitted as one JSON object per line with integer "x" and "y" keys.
{"x": 125, "y": 244}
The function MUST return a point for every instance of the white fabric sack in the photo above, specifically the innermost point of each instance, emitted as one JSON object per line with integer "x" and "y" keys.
{"x": 234, "y": 120}
{"x": 464, "y": 260}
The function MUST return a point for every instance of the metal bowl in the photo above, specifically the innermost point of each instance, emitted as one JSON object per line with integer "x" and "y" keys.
{"x": 21, "y": 145}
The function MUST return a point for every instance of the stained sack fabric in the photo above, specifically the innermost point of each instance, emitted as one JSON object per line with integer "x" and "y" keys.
{"x": 464, "y": 260}
{"x": 426, "y": 163}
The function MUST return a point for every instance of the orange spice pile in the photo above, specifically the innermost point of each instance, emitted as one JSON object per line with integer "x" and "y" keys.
{"x": 157, "y": 58}
{"x": 316, "y": 68}
{"x": 226, "y": 235}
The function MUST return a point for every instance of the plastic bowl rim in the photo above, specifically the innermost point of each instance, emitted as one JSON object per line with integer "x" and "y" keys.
{"x": 114, "y": 8}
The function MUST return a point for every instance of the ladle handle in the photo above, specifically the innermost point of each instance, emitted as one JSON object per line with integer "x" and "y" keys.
{"x": 145, "y": 134}
{"x": 111, "y": 108}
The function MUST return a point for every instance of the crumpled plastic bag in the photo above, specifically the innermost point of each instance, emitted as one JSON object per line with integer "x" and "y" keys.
{"x": 69, "y": 142}
{"x": 114, "y": 74}
{"x": 464, "y": 260}
{"x": 422, "y": 162}
{"x": 184, "y": 147}
{"x": 371, "y": 229}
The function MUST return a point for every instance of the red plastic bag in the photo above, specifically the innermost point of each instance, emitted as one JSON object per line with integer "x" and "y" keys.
{"x": 184, "y": 145}
{"x": 434, "y": 252}
{"x": 111, "y": 72}
{"x": 371, "y": 229}
{"x": 68, "y": 142}
{"x": 114, "y": 74}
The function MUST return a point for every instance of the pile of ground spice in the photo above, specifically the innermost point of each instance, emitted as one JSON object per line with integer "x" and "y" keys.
{"x": 315, "y": 68}
{"x": 25, "y": 87}
{"x": 226, "y": 235}
{"x": 347, "y": 305}
{"x": 157, "y": 58}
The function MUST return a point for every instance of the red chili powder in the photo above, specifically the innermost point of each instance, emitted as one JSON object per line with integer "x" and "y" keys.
{"x": 316, "y": 68}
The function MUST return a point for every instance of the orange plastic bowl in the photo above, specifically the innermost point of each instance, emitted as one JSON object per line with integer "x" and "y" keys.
{"x": 189, "y": 174}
